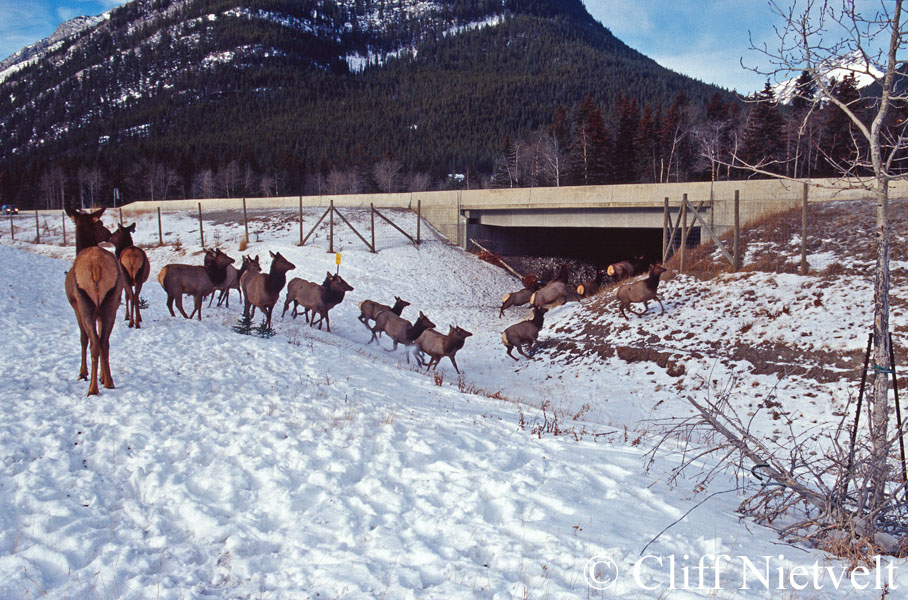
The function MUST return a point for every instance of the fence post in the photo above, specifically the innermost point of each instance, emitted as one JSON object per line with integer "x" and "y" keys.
{"x": 245, "y": 222}
{"x": 201, "y": 231}
{"x": 804, "y": 231}
{"x": 301, "y": 220}
{"x": 737, "y": 265}
{"x": 372, "y": 214}
{"x": 64, "y": 229}
{"x": 160, "y": 235}
{"x": 683, "y": 229}
{"x": 418, "y": 220}
{"x": 121, "y": 216}
{"x": 37, "y": 228}
{"x": 12, "y": 230}
{"x": 331, "y": 228}
{"x": 665, "y": 225}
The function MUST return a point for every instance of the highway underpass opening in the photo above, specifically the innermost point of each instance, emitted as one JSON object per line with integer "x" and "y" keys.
{"x": 595, "y": 245}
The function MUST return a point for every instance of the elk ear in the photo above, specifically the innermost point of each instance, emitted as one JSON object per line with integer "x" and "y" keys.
{"x": 70, "y": 212}
{"x": 96, "y": 216}
{"x": 132, "y": 228}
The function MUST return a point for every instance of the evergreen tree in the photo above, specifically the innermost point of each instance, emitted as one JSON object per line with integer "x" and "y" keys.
{"x": 763, "y": 143}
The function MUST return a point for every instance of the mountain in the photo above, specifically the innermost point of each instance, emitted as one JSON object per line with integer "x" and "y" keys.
{"x": 865, "y": 74}
{"x": 291, "y": 87}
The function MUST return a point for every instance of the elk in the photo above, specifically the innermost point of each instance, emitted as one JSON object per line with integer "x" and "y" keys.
{"x": 518, "y": 298}
{"x": 135, "y": 270}
{"x": 591, "y": 287}
{"x": 231, "y": 280}
{"x": 554, "y": 293}
{"x": 318, "y": 298}
{"x": 524, "y": 333}
{"x": 194, "y": 280}
{"x": 400, "y": 330}
{"x": 369, "y": 309}
{"x": 626, "y": 268}
{"x": 640, "y": 291}
{"x": 262, "y": 290}
{"x": 94, "y": 285}
{"x": 250, "y": 267}
{"x": 438, "y": 345}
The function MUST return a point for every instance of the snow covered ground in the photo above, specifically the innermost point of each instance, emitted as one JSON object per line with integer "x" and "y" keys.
{"x": 315, "y": 465}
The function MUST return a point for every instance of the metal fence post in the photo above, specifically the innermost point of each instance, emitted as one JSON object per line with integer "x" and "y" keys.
{"x": 301, "y": 221}
{"x": 683, "y": 229}
{"x": 64, "y": 229}
{"x": 160, "y": 234}
{"x": 331, "y": 228}
{"x": 418, "y": 221}
{"x": 665, "y": 225}
{"x": 12, "y": 230}
{"x": 37, "y": 228}
{"x": 245, "y": 222}
{"x": 372, "y": 215}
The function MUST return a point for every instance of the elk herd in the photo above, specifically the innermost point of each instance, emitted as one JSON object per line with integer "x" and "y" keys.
{"x": 98, "y": 279}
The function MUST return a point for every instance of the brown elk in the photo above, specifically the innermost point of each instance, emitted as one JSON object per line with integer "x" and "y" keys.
{"x": 524, "y": 333}
{"x": 554, "y": 293}
{"x": 518, "y": 298}
{"x": 231, "y": 281}
{"x": 250, "y": 267}
{"x": 369, "y": 309}
{"x": 626, "y": 268}
{"x": 400, "y": 330}
{"x": 135, "y": 270}
{"x": 194, "y": 280}
{"x": 640, "y": 291}
{"x": 94, "y": 285}
{"x": 591, "y": 287}
{"x": 438, "y": 345}
{"x": 316, "y": 298}
{"x": 262, "y": 290}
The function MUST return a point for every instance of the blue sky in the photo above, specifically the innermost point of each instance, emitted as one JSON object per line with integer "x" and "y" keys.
{"x": 705, "y": 39}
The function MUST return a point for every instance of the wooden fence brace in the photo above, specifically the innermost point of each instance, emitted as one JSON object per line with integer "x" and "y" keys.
{"x": 245, "y": 222}
{"x": 804, "y": 231}
{"x": 737, "y": 249}
{"x": 331, "y": 228}
{"x": 160, "y": 234}
{"x": 358, "y": 234}
{"x": 857, "y": 415}
{"x": 64, "y": 229}
{"x": 372, "y": 216}
{"x": 671, "y": 232}
{"x": 301, "y": 221}
{"x": 710, "y": 232}
{"x": 898, "y": 413}
{"x": 666, "y": 223}
{"x": 683, "y": 229}
{"x": 201, "y": 231}
{"x": 395, "y": 226}
{"x": 314, "y": 227}
{"x": 418, "y": 221}
{"x": 37, "y": 228}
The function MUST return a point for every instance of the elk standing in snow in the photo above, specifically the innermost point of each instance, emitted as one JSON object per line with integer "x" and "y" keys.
{"x": 262, "y": 290}
{"x": 94, "y": 285}
{"x": 524, "y": 333}
{"x": 640, "y": 291}
{"x": 620, "y": 271}
{"x": 197, "y": 281}
{"x": 135, "y": 270}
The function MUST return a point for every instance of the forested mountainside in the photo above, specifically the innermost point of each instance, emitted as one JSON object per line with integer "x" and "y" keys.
{"x": 178, "y": 98}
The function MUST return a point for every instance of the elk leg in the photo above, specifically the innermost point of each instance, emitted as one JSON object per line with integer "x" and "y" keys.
{"x": 83, "y": 370}
{"x": 511, "y": 355}
{"x": 286, "y": 306}
{"x": 454, "y": 362}
{"x": 520, "y": 350}
{"x": 178, "y": 298}
{"x": 95, "y": 344}
{"x": 267, "y": 309}
{"x": 107, "y": 325}
{"x": 660, "y": 304}
{"x": 135, "y": 303}
{"x": 328, "y": 323}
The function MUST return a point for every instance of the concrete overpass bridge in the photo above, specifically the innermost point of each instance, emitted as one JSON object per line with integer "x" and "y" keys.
{"x": 600, "y": 223}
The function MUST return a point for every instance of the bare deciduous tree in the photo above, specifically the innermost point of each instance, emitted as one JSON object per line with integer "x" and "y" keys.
{"x": 387, "y": 174}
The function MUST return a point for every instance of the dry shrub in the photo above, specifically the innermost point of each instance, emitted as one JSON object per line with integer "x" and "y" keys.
{"x": 243, "y": 244}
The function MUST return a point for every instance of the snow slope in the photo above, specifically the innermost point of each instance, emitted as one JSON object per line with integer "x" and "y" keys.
{"x": 315, "y": 465}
